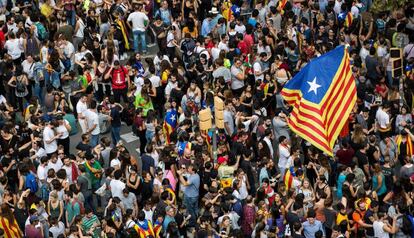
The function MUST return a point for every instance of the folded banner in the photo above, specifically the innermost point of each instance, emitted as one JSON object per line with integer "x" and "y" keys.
{"x": 322, "y": 94}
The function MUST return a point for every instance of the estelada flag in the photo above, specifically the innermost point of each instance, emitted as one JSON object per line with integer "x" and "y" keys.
{"x": 282, "y": 4}
{"x": 288, "y": 177}
{"x": 322, "y": 95}
{"x": 170, "y": 122}
{"x": 348, "y": 19}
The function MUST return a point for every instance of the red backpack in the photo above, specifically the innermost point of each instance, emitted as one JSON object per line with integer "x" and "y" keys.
{"x": 81, "y": 207}
{"x": 119, "y": 82}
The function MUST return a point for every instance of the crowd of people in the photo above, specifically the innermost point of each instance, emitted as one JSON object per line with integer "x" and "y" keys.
{"x": 75, "y": 72}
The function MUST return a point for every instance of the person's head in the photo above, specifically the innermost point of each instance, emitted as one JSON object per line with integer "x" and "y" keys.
{"x": 283, "y": 140}
{"x": 311, "y": 216}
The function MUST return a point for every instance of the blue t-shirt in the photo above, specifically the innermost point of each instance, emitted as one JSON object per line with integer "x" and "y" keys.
{"x": 193, "y": 187}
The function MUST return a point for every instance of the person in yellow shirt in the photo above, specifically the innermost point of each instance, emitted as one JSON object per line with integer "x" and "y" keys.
{"x": 47, "y": 9}
{"x": 190, "y": 28}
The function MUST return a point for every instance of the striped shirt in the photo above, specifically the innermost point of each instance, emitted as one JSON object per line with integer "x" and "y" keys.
{"x": 88, "y": 222}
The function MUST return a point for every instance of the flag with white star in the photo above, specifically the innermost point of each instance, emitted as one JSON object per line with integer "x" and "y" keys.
{"x": 170, "y": 122}
{"x": 322, "y": 95}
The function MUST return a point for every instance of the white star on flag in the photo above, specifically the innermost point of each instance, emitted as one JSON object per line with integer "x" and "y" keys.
{"x": 172, "y": 118}
{"x": 237, "y": 10}
{"x": 313, "y": 86}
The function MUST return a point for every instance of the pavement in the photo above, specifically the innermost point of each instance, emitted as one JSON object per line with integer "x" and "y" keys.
{"x": 131, "y": 142}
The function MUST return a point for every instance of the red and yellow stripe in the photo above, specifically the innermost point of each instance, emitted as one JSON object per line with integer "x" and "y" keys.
{"x": 320, "y": 124}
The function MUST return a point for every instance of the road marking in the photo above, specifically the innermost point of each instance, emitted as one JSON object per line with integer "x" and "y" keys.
{"x": 129, "y": 137}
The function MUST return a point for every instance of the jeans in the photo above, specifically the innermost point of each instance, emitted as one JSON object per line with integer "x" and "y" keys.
{"x": 149, "y": 135}
{"x": 53, "y": 78}
{"x": 37, "y": 91}
{"x": 94, "y": 140}
{"x": 140, "y": 35}
{"x": 115, "y": 134}
{"x": 70, "y": 18}
{"x": 191, "y": 203}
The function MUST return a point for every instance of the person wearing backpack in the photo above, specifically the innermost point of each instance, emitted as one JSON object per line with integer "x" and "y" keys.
{"x": 41, "y": 32}
{"x": 120, "y": 81}
{"x": 187, "y": 48}
{"x": 20, "y": 82}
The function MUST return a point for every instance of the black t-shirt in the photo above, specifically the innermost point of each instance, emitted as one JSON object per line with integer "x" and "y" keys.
{"x": 291, "y": 219}
{"x": 84, "y": 147}
{"x": 147, "y": 162}
{"x": 12, "y": 173}
{"x": 116, "y": 117}
{"x": 295, "y": 235}
{"x": 369, "y": 231}
{"x": 362, "y": 160}
{"x": 146, "y": 191}
{"x": 370, "y": 154}
{"x": 177, "y": 95}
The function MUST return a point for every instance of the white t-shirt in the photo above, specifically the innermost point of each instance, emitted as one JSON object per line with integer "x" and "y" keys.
{"x": 40, "y": 153}
{"x": 92, "y": 119}
{"x": 240, "y": 29}
{"x": 42, "y": 172}
{"x": 170, "y": 38}
{"x": 68, "y": 170}
{"x": 155, "y": 81}
{"x": 228, "y": 117}
{"x": 138, "y": 19}
{"x": 379, "y": 230}
{"x": 48, "y": 134}
{"x": 383, "y": 118}
{"x": 14, "y": 48}
{"x": 223, "y": 46}
{"x": 235, "y": 82}
{"x": 115, "y": 162}
{"x": 57, "y": 230}
{"x": 55, "y": 166}
{"x": 139, "y": 82}
{"x": 116, "y": 188}
{"x": 257, "y": 67}
{"x": 81, "y": 108}
{"x": 284, "y": 155}
{"x": 28, "y": 68}
{"x": 62, "y": 128}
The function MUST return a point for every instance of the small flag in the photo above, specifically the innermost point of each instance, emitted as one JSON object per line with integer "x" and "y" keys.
{"x": 288, "y": 178}
{"x": 348, "y": 19}
{"x": 170, "y": 122}
{"x": 282, "y": 4}
{"x": 182, "y": 146}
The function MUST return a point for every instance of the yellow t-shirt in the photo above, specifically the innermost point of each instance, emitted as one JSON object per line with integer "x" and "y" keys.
{"x": 46, "y": 10}
{"x": 194, "y": 33}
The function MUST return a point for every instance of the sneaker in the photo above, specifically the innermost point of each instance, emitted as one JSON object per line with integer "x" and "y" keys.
{"x": 151, "y": 44}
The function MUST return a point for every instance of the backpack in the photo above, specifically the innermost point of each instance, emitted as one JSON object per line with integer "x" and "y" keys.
{"x": 407, "y": 225}
{"x": 81, "y": 207}
{"x": 42, "y": 33}
{"x": 20, "y": 87}
{"x": 120, "y": 82}
{"x": 31, "y": 183}
{"x": 188, "y": 47}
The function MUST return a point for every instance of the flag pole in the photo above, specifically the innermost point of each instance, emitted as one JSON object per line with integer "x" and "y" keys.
{"x": 213, "y": 129}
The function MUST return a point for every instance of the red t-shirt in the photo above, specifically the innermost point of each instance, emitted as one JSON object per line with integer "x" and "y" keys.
{"x": 119, "y": 78}
{"x": 243, "y": 47}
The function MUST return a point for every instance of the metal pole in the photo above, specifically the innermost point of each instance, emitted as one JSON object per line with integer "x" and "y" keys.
{"x": 213, "y": 129}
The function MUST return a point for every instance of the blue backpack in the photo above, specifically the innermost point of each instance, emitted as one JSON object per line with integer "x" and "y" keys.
{"x": 31, "y": 183}
{"x": 42, "y": 33}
